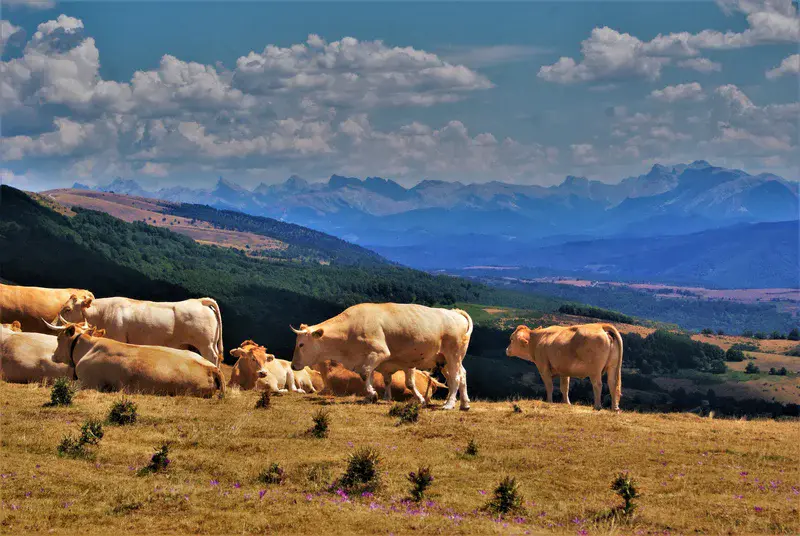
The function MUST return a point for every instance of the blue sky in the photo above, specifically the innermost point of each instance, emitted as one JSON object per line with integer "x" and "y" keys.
{"x": 527, "y": 92}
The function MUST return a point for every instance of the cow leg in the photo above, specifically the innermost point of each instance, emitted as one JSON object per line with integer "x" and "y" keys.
{"x": 374, "y": 359}
{"x": 209, "y": 353}
{"x": 597, "y": 387}
{"x": 453, "y": 383}
{"x": 564, "y": 387}
{"x": 611, "y": 378}
{"x": 411, "y": 376}
{"x": 547, "y": 379}
{"x": 387, "y": 389}
{"x": 463, "y": 389}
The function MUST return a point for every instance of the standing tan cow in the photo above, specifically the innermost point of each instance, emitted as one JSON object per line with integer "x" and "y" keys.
{"x": 29, "y": 305}
{"x": 188, "y": 325}
{"x": 573, "y": 351}
{"x": 28, "y": 357}
{"x": 402, "y": 336}
{"x": 256, "y": 369}
{"x": 339, "y": 381}
{"x": 109, "y": 365}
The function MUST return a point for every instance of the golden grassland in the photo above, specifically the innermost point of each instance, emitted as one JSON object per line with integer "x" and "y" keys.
{"x": 694, "y": 474}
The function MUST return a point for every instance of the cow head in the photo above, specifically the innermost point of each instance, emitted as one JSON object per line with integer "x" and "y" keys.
{"x": 251, "y": 358}
{"x": 72, "y": 310}
{"x": 67, "y": 335}
{"x": 520, "y": 343}
{"x": 308, "y": 348}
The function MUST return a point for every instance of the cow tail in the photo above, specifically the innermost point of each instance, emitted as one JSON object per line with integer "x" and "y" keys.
{"x": 212, "y": 303}
{"x": 616, "y": 339}
{"x": 468, "y": 334}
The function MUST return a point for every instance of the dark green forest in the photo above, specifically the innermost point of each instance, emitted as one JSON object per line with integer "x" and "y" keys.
{"x": 304, "y": 244}
{"x": 258, "y": 298}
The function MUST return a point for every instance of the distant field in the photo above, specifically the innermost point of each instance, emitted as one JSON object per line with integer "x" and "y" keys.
{"x": 753, "y": 295}
{"x": 153, "y": 211}
{"x": 695, "y": 475}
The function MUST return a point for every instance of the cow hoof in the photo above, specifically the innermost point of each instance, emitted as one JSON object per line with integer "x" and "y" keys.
{"x": 448, "y": 406}
{"x": 373, "y": 398}
{"x": 464, "y": 408}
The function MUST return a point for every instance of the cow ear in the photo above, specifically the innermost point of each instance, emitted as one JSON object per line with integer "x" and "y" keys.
{"x": 70, "y": 331}
{"x": 87, "y": 302}
{"x": 317, "y": 333}
{"x": 525, "y": 336}
{"x": 16, "y": 325}
{"x": 100, "y": 333}
{"x": 270, "y": 357}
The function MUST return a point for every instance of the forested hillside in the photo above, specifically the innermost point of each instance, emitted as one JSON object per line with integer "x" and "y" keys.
{"x": 259, "y": 299}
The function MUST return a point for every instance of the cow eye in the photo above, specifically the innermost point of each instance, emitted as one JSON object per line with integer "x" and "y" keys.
{"x": 300, "y": 345}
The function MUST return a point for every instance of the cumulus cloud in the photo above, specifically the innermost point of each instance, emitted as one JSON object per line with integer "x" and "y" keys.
{"x": 790, "y": 65}
{"x": 355, "y": 73}
{"x": 692, "y": 92}
{"x": 701, "y": 65}
{"x": 609, "y": 54}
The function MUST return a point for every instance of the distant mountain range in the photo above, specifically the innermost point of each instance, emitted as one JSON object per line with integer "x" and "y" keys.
{"x": 477, "y": 219}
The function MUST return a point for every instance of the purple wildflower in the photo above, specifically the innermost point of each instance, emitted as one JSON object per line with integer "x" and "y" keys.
{"x": 214, "y": 482}
{"x": 308, "y": 497}
{"x": 367, "y": 495}
{"x": 14, "y": 507}
{"x": 482, "y": 492}
{"x": 758, "y": 509}
{"x": 261, "y": 494}
{"x": 185, "y": 497}
{"x": 237, "y": 485}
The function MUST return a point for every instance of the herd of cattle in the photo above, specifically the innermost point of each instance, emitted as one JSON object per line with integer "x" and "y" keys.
{"x": 175, "y": 348}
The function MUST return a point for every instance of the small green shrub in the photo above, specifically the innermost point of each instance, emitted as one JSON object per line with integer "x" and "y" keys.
{"x": 625, "y": 487}
{"x": 361, "y": 475}
{"x": 61, "y": 393}
{"x": 516, "y": 408}
{"x": 322, "y": 421}
{"x": 420, "y": 480}
{"x": 159, "y": 461}
{"x": 91, "y": 432}
{"x": 274, "y": 474}
{"x": 123, "y": 412}
{"x": 72, "y": 447}
{"x": 264, "y": 400}
{"x": 734, "y": 354}
{"x": 406, "y": 413}
{"x": 472, "y": 448}
{"x": 506, "y": 499}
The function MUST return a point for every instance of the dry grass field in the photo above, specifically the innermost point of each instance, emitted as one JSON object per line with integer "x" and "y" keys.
{"x": 152, "y": 211}
{"x": 695, "y": 475}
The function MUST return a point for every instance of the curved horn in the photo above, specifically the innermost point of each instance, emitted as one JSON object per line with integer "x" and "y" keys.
{"x": 297, "y": 331}
{"x": 54, "y": 327}
{"x": 62, "y": 319}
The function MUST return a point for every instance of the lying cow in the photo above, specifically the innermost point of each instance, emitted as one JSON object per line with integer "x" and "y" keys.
{"x": 29, "y": 305}
{"x": 28, "y": 357}
{"x": 573, "y": 351}
{"x": 396, "y": 336}
{"x": 339, "y": 381}
{"x": 256, "y": 369}
{"x": 189, "y": 325}
{"x": 108, "y": 365}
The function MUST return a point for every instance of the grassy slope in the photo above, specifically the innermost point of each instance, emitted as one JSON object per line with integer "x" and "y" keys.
{"x": 691, "y": 471}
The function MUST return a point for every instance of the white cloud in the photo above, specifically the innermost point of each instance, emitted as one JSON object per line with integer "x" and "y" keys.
{"x": 6, "y": 31}
{"x": 609, "y": 54}
{"x": 584, "y": 154}
{"x": 355, "y": 73}
{"x": 692, "y": 92}
{"x": 789, "y": 65}
{"x": 33, "y": 4}
{"x": 701, "y": 65}
{"x": 155, "y": 169}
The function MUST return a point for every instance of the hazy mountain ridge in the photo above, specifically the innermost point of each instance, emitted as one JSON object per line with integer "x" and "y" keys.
{"x": 490, "y": 222}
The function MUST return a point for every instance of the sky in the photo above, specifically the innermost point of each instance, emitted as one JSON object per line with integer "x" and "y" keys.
{"x": 181, "y": 93}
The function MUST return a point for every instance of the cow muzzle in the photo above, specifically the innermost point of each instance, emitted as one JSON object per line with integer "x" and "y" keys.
{"x": 296, "y": 367}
